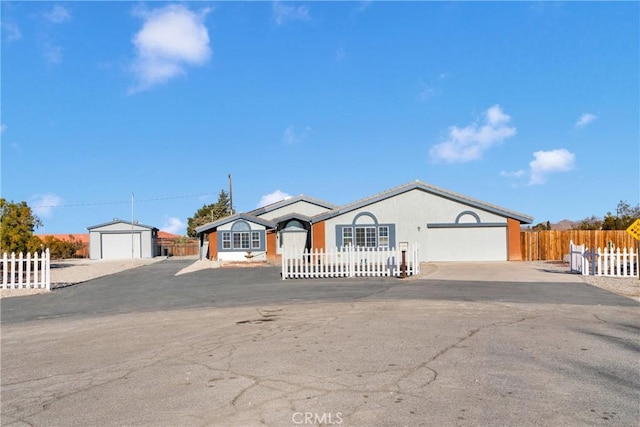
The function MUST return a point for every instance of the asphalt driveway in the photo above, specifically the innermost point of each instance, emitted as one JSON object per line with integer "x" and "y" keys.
{"x": 243, "y": 348}
{"x": 155, "y": 287}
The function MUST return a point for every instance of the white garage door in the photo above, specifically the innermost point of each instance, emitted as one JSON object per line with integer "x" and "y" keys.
{"x": 467, "y": 244}
{"x": 118, "y": 246}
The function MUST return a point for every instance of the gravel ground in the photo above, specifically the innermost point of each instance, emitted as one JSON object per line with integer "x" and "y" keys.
{"x": 69, "y": 272}
{"x": 626, "y": 286}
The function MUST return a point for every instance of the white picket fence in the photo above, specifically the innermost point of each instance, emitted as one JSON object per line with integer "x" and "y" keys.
{"x": 26, "y": 271}
{"x": 575, "y": 257}
{"x": 610, "y": 262}
{"x": 348, "y": 261}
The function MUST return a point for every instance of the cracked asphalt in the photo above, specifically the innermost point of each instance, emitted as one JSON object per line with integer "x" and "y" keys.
{"x": 243, "y": 348}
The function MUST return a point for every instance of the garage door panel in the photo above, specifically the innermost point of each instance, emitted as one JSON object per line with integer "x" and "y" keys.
{"x": 118, "y": 246}
{"x": 467, "y": 244}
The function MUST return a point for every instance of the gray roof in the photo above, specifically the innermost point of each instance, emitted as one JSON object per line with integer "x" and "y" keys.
{"x": 289, "y": 216}
{"x": 419, "y": 185}
{"x": 235, "y": 217}
{"x": 121, "y": 221}
{"x": 289, "y": 201}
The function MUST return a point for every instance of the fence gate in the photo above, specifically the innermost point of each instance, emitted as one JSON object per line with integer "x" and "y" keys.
{"x": 575, "y": 257}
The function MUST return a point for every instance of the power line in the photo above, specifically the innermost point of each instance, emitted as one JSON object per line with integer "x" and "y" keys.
{"x": 122, "y": 202}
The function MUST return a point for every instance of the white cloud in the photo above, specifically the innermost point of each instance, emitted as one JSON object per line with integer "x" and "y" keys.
{"x": 426, "y": 93}
{"x": 291, "y": 136}
{"x": 174, "y": 226}
{"x": 468, "y": 143}
{"x": 274, "y": 197}
{"x": 585, "y": 119}
{"x": 3, "y": 127}
{"x": 52, "y": 53}
{"x": 283, "y": 13}
{"x": 57, "y": 15}
{"x": 514, "y": 174}
{"x": 43, "y": 204}
{"x": 170, "y": 38}
{"x": 11, "y": 31}
{"x": 545, "y": 162}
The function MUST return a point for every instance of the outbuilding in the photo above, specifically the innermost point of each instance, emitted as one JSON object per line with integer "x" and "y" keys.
{"x": 121, "y": 239}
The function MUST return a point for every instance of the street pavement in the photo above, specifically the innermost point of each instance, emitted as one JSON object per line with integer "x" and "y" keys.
{"x": 242, "y": 347}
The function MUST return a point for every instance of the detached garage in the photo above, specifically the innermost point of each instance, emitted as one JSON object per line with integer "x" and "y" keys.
{"x": 120, "y": 239}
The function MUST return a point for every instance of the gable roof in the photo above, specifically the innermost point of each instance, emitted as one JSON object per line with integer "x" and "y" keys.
{"x": 235, "y": 217}
{"x": 121, "y": 221}
{"x": 292, "y": 215}
{"x": 286, "y": 202}
{"x": 419, "y": 185}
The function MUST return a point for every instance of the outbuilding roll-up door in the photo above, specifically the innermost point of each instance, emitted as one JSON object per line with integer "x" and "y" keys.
{"x": 118, "y": 245}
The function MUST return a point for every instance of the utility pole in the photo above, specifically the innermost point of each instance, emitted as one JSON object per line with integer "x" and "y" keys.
{"x": 230, "y": 196}
{"x": 132, "y": 240}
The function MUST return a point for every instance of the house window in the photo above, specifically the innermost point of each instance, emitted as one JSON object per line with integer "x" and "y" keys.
{"x": 226, "y": 240}
{"x": 240, "y": 240}
{"x": 255, "y": 240}
{"x": 383, "y": 236}
{"x": 347, "y": 236}
{"x": 366, "y": 237}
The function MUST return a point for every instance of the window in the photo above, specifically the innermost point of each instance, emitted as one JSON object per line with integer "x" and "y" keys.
{"x": 383, "y": 236}
{"x": 241, "y": 237}
{"x": 366, "y": 237}
{"x": 255, "y": 240}
{"x": 240, "y": 240}
{"x": 347, "y": 236}
{"x": 226, "y": 240}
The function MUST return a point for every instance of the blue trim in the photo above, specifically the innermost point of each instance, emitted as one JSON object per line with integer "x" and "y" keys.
{"x": 473, "y": 214}
{"x": 240, "y": 225}
{"x": 458, "y": 224}
{"x": 263, "y": 241}
{"x": 369, "y": 214}
{"x": 466, "y": 225}
{"x": 392, "y": 232}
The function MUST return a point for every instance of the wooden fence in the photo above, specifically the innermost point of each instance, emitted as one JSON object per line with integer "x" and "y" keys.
{"x": 348, "y": 261}
{"x": 171, "y": 247}
{"x": 26, "y": 271}
{"x": 552, "y": 245}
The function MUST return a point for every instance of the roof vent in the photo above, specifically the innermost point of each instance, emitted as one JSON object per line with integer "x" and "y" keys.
{"x": 115, "y": 219}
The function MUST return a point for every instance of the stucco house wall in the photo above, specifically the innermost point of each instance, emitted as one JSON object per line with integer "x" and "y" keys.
{"x": 412, "y": 211}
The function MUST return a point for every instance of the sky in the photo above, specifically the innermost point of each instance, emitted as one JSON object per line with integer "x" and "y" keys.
{"x": 143, "y": 109}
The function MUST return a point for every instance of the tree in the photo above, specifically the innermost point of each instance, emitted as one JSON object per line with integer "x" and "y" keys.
{"x": 61, "y": 249}
{"x": 17, "y": 223}
{"x": 625, "y": 216}
{"x": 591, "y": 223}
{"x": 542, "y": 226}
{"x": 209, "y": 213}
